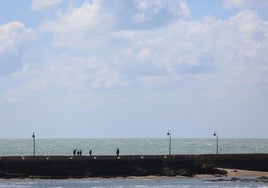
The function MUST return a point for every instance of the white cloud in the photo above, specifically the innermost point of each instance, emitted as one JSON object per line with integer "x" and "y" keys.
{"x": 76, "y": 23}
{"x": 68, "y": 72}
{"x": 184, "y": 10}
{"x": 105, "y": 78}
{"x": 147, "y": 10}
{"x": 185, "y": 55}
{"x": 12, "y": 35}
{"x": 38, "y": 5}
{"x": 215, "y": 52}
{"x": 226, "y": 54}
{"x": 246, "y": 4}
{"x": 14, "y": 40}
{"x": 25, "y": 90}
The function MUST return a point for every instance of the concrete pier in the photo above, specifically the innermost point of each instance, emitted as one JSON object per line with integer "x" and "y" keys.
{"x": 126, "y": 165}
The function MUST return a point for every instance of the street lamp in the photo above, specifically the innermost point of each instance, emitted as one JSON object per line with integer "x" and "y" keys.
{"x": 33, "y": 144}
{"x": 217, "y": 142}
{"x": 169, "y": 148}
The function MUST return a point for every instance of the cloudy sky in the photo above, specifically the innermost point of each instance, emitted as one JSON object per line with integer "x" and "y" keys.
{"x": 133, "y": 68}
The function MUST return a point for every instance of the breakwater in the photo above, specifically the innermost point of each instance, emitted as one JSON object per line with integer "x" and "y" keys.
{"x": 126, "y": 165}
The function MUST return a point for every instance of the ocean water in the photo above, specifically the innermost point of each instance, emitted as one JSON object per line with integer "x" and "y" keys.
{"x": 9, "y": 147}
{"x": 130, "y": 146}
{"x": 128, "y": 183}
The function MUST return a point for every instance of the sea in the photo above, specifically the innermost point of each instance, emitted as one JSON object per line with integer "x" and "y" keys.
{"x": 148, "y": 146}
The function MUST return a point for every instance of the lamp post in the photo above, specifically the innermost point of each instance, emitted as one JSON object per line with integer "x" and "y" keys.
{"x": 169, "y": 148}
{"x": 33, "y": 143}
{"x": 217, "y": 141}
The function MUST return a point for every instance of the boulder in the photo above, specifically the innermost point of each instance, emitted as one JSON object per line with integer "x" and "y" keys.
{"x": 185, "y": 172}
{"x": 168, "y": 172}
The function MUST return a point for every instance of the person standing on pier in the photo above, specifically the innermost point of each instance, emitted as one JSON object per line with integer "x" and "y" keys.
{"x": 117, "y": 152}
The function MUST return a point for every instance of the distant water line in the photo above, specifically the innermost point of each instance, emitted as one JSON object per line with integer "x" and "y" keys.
{"x": 13, "y": 147}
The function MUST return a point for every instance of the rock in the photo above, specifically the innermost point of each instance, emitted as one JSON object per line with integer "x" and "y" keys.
{"x": 262, "y": 179}
{"x": 211, "y": 169}
{"x": 185, "y": 172}
{"x": 168, "y": 172}
{"x": 235, "y": 179}
{"x": 219, "y": 171}
{"x": 137, "y": 171}
{"x": 6, "y": 175}
{"x": 217, "y": 180}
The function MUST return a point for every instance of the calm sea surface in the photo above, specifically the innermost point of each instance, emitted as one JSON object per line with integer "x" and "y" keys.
{"x": 131, "y": 183}
{"x": 131, "y": 146}
{"x": 128, "y": 147}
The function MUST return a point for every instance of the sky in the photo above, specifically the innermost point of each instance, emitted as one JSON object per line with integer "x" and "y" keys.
{"x": 133, "y": 69}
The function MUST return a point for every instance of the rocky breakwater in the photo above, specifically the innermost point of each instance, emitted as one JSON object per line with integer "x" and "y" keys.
{"x": 113, "y": 166}
{"x": 101, "y": 166}
{"x": 255, "y": 162}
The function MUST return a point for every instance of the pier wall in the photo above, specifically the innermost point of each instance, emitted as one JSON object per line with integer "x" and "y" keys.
{"x": 113, "y": 166}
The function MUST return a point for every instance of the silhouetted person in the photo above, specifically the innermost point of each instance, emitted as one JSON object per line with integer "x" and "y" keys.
{"x": 90, "y": 152}
{"x": 117, "y": 152}
{"x": 74, "y": 152}
{"x": 79, "y": 153}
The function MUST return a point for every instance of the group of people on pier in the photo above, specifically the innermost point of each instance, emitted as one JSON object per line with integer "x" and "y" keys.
{"x": 79, "y": 152}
